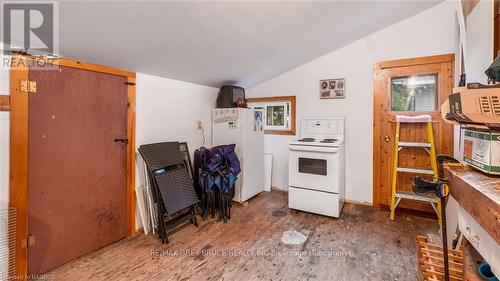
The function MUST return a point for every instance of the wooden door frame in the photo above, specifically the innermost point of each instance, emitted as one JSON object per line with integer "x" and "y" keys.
{"x": 377, "y": 97}
{"x": 18, "y": 182}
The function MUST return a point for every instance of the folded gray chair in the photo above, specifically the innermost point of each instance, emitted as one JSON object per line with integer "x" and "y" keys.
{"x": 169, "y": 176}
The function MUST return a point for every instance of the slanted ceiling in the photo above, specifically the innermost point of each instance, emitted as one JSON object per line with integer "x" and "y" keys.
{"x": 214, "y": 43}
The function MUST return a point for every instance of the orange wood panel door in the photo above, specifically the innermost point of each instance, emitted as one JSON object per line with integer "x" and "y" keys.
{"x": 409, "y": 87}
{"x": 77, "y": 172}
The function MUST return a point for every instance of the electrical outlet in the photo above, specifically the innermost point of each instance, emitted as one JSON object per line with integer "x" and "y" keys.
{"x": 200, "y": 125}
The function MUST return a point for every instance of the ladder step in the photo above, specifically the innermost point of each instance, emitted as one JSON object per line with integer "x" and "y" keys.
{"x": 413, "y": 119}
{"x": 413, "y": 144}
{"x": 416, "y": 197}
{"x": 415, "y": 170}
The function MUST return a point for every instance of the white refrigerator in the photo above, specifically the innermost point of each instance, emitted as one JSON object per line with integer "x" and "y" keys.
{"x": 244, "y": 128}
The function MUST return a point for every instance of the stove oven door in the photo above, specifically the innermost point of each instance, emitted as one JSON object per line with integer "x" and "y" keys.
{"x": 314, "y": 167}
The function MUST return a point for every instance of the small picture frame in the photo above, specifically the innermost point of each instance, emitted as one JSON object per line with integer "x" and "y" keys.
{"x": 332, "y": 88}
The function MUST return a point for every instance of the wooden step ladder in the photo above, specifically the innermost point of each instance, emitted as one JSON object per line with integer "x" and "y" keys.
{"x": 429, "y": 146}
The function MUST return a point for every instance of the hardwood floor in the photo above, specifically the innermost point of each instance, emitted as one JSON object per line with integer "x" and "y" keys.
{"x": 362, "y": 245}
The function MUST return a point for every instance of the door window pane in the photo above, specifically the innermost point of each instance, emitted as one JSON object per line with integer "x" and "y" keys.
{"x": 312, "y": 166}
{"x": 414, "y": 93}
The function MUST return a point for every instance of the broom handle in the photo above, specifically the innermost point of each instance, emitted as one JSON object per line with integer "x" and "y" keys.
{"x": 445, "y": 239}
{"x": 440, "y": 158}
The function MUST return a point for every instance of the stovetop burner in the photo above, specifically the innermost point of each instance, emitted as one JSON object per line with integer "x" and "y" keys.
{"x": 307, "y": 140}
{"x": 328, "y": 140}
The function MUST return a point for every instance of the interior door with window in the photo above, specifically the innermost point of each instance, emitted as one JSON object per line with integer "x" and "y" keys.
{"x": 409, "y": 87}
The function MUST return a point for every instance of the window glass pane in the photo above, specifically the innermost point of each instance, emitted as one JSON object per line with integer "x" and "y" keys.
{"x": 269, "y": 116}
{"x": 276, "y": 115}
{"x": 414, "y": 93}
{"x": 287, "y": 115}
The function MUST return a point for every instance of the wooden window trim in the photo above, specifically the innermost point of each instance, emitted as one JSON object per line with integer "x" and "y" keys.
{"x": 18, "y": 189}
{"x": 292, "y": 101}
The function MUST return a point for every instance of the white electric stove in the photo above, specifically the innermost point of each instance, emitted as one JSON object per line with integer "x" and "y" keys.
{"x": 317, "y": 167}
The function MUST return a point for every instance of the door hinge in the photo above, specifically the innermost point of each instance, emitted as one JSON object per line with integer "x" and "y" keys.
{"x": 28, "y": 86}
{"x": 29, "y": 241}
{"x": 130, "y": 83}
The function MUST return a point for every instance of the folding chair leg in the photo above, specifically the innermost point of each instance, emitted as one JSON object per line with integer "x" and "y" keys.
{"x": 164, "y": 240}
{"x": 213, "y": 203}
{"x": 225, "y": 207}
{"x": 204, "y": 205}
{"x": 193, "y": 216}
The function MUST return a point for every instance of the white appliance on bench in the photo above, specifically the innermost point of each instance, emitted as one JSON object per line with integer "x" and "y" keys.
{"x": 317, "y": 167}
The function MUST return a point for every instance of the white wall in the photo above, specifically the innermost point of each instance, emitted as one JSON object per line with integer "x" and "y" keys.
{"x": 169, "y": 110}
{"x": 4, "y": 138}
{"x": 4, "y": 155}
{"x": 479, "y": 41}
{"x": 431, "y": 32}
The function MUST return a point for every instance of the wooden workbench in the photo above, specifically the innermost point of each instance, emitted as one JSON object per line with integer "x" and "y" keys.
{"x": 479, "y": 195}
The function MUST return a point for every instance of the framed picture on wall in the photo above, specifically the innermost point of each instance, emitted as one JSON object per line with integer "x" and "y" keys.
{"x": 332, "y": 88}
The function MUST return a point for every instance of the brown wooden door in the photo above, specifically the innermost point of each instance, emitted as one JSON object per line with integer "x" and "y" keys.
{"x": 77, "y": 172}
{"x": 409, "y": 87}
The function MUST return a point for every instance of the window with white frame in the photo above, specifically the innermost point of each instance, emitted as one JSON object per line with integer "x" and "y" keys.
{"x": 276, "y": 114}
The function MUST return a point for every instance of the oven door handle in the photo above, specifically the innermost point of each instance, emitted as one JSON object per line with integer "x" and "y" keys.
{"x": 314, "y": 149}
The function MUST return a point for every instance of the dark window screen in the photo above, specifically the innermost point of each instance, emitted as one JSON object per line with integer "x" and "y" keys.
{"x": 312, "y": 166}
